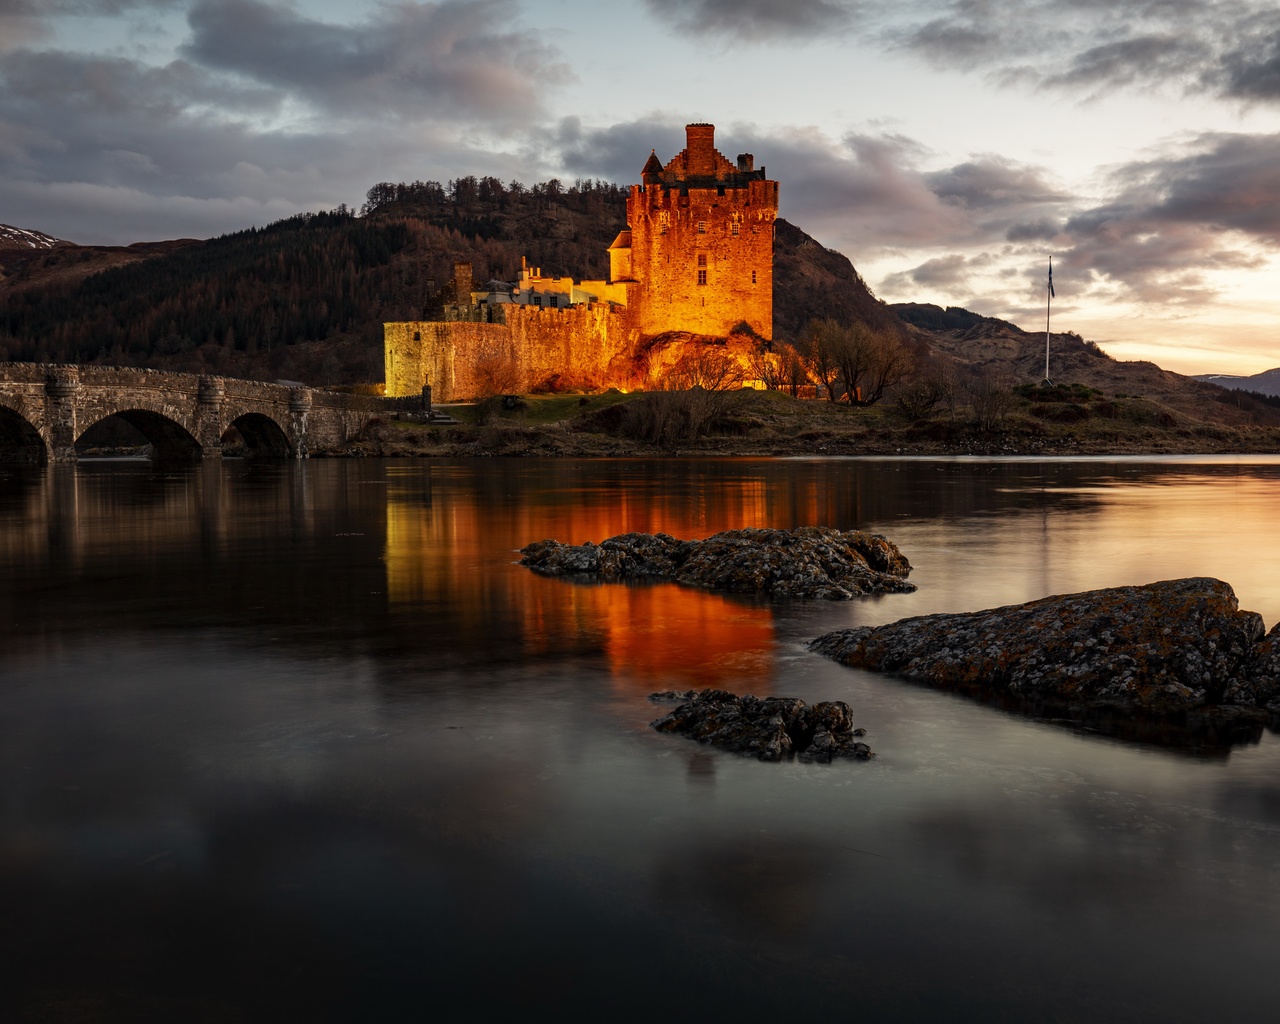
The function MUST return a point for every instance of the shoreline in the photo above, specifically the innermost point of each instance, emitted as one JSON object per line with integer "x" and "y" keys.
{"x": 512, "y": 441}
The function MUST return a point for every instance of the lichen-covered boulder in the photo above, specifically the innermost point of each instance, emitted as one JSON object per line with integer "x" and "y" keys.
{"x": 809, "y": 562}
{"x": 1166, "y": 646}
{"x": 770, "y": 728}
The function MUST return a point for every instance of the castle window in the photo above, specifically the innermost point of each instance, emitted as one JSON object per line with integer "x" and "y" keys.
{"x": 753, "y": 277}
{"x": 702, "y": 259}
{"x": 417, "y": 335}
{"x": 537, "y": 300}
{"x": 734, "y": 229}
{"x": 702, "y": 277}
{"x": 702, "y": 227}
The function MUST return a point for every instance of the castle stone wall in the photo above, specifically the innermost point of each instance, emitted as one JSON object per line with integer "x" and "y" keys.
{"x": 703, "y": 257}
{"x": 696, "y": 257}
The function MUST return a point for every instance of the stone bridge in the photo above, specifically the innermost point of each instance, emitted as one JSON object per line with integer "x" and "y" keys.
{"x": 44, "y": 410}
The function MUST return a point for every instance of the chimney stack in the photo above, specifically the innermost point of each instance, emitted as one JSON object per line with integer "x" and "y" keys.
{"x": 700, "y": 141}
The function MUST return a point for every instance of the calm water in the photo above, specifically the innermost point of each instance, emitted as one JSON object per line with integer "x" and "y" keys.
{"x": 303, "y": 742}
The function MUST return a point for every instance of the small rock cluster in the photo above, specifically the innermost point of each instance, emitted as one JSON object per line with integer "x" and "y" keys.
{"x": 809, "y": 562}
{"x": 1171, "y": 646}
{"x": 770, "y": 728}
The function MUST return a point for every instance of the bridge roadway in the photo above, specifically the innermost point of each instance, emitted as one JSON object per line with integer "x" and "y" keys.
{"x": 45, "y": 408}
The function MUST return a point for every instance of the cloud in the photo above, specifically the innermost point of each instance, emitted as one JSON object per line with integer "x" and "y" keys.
{"x": 946, "y": 273}
{"x": 1228, "y": 48}
{"x": 755, "y": 20}
{"x": 616, "y": 152}
{"x": 1176, "y": 219}
{"x": 415, "y": 61}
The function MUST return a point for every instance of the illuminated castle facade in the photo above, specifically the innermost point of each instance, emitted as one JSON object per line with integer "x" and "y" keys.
{"x": 695, "y": 262}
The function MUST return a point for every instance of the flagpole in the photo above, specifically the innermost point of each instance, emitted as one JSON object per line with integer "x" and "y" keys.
{"x": 1048, "y": 297}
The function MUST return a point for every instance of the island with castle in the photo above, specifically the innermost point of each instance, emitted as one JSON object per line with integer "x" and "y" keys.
{"x": 691, "y": 271}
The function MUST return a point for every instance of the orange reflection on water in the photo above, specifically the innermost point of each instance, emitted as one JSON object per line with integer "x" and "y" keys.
{"x": 673, "y": 637}
{"x": 661, "y": 636}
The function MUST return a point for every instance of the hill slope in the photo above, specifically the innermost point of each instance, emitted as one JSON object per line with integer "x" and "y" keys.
{"x": 305, "y": 298}
{"x": 988, "y": 345}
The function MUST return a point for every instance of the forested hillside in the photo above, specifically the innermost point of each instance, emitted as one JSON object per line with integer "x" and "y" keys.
{"x": 305, "y": 298}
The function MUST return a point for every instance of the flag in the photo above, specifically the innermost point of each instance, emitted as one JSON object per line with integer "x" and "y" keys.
{"x": 1051, "y": 292}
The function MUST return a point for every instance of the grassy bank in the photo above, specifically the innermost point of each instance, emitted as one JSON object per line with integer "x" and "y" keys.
{"x": 1066, "y": 420}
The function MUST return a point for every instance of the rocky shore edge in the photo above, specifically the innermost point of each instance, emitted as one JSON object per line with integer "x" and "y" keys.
{"x": 808, "y": 562}
{"x": 768, "y": 728}
{"x": 1175, "y": 647}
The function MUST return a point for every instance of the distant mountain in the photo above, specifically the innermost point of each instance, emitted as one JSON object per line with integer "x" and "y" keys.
{"x": 25, "y": 238}
{"x": 1265, "y": 383}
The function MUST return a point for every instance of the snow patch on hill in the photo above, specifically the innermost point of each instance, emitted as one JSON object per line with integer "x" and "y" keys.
{"x": 25, "y": 238}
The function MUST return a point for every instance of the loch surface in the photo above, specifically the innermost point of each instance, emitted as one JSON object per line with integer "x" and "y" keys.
{"x": 302, "y": 741}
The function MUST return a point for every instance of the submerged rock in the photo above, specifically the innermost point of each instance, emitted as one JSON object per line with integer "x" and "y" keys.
{"x": 769, "y": 728}
{"x": 1172, "y": 646}
{"x": 812, "y": 561}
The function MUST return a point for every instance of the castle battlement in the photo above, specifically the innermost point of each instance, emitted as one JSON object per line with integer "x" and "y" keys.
{"x": 696, "y": 256}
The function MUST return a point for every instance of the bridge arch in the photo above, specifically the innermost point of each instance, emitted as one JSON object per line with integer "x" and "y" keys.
{"x": 169, "y": 439}
{"x": 20, "y": 441}
{"x": 262, "y": 435}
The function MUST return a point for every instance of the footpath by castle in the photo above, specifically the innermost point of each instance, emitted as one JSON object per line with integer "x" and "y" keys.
{"x": 692, "y": 271}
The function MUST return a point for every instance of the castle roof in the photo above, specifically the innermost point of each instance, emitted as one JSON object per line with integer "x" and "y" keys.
{"x": 623, "y": 241}
{"x": 653, "y": 165}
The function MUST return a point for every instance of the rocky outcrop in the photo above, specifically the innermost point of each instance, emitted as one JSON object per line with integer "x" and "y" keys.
{"x": 770, "y": 728}
{"x": 812, "y": 561}
{"x": 1171, "y": 646}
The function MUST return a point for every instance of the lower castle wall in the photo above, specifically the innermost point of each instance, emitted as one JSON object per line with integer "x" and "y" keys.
{"x": 587, "y": 346}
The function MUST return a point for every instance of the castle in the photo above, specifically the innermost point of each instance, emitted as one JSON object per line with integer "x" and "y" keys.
{"x": 693, "y": 266}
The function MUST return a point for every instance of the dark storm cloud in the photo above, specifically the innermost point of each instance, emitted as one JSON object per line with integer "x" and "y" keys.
{"x": 871, "y": 186}
{"x": 1136, "y": 60}
{"x": 1251, "y": 71}
{"x": 446, "y": 61}
{"x": 1177, "y": 218}
{"x": 618, "y": 152}
{"x": 1230, "y": 48}
{"x": 946, "y": 273}
{"x": 755, "y": 20}
{"x": 992, "y": 182}
{"x": 1043, "y": 229}
{"x": 114, "y": 149}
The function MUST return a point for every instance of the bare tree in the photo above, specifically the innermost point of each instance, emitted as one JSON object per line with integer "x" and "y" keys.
{"x": 793, "y": 373}
{"x": 705, "y": 366}
{"x": 765, "y": 365}
{"x": 821, "y": 342}
{"x": 857, "y": 361}
{"x": 887, "y": 362}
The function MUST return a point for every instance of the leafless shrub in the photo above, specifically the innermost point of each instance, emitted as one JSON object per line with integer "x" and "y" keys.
{"x": 667, "y": 418}
{"x": 991, "y": 397}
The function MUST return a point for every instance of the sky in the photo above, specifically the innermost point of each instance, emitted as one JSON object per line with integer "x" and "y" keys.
{"x": 949, "y": 148}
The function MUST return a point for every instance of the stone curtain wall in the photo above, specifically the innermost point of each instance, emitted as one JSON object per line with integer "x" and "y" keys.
{"x": 585, "y": 346}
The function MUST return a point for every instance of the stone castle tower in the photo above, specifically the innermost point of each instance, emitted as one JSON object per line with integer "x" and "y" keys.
{"x": 699, "y": 242}
{"x": 695, "y": 259}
